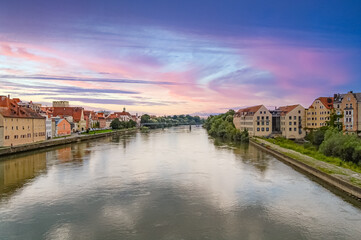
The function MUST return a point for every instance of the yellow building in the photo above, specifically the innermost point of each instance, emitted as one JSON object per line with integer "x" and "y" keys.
{"x": 19, "y": 125}
{"x": 349, "y": 105}
{"x": 319, "y": 112}
{"x": 256, "y": 120}
{"x": 293, "y": 121}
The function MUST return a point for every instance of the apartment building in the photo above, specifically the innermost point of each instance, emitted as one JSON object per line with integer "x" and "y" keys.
{"x": 319, "y": 112}
{"x": 19, "y": 125}
{"x": 257, "y": 120}
{"x": 292, "y": 121}
{"x": 349, "y": 106}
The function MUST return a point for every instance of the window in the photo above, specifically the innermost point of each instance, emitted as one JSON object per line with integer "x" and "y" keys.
{"x": 295, "y": 129}
{"x": 290, "y": 117}
{"x": 290, "y": 123}
{"x": 267, "y": 129}
{"x": 262, "y": 129}
{"x": 290, "y": 129}
{"x": 257, "y": 129}
{"x": 17, "y": 128}
{"x": 257, "y": 124}
{"x": 295, "y": 123}
{"x": 299, "y": 111}
{"x": 16, "y": 136}
{"x": 267, "y": 123}
{"x": 257, "y": 117}
{"x": 294, "y": 117}
{"x": 266, "y": 117}
{"x": 262, "y": 118}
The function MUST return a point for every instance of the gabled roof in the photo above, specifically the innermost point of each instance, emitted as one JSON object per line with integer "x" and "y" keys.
{"x": 248, "y": 110}
{"x": 326, "y": 101}
{"x": 75, "y": 112}
{"x": 286, "y": 109}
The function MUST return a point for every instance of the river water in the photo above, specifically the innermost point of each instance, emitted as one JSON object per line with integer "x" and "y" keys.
{"x": 174, "y": 183}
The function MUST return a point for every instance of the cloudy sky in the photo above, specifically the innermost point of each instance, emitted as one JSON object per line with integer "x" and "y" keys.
{"x": 173, "y": 57}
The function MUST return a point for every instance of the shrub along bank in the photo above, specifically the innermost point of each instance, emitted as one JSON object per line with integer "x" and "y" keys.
{"x": 330, "y": 145}
{"x": 222, "y": 126}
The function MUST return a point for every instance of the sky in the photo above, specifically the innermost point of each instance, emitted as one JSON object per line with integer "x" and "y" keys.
{"x": 179, "y": 57}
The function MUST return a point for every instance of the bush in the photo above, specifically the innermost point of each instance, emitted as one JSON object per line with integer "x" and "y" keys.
{"x": 347, "y": 147}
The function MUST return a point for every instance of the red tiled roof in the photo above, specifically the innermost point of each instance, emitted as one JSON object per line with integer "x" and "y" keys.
{"x": 327, "y": 102}
{"x": 9, "y": 108}
{"x": 286, "y": 109}
{"x": 122, "y": 113}
{"x": 249, "y": 110}
{"x": 75, "y": 112}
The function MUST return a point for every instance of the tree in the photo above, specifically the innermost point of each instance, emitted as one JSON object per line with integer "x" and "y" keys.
{"x": 145, "y": 118}
{"x": 116, "y": 124}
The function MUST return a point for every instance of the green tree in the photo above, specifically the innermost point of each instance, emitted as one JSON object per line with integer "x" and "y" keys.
{"x": 116, "y": 124}
{"x": 145, "y": 118}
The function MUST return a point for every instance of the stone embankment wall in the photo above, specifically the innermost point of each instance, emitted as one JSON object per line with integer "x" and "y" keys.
{"x": 323, "y": 177}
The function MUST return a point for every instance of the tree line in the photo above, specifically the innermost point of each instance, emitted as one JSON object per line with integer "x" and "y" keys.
{"x": 222, "y": 126}
{"x": 168, "y": 121}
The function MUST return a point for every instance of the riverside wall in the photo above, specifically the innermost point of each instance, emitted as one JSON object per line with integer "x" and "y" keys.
{"x": 333, "y": 181}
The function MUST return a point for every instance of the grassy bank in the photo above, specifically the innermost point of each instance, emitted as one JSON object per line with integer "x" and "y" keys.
{"x": 98, "y": 131}
{"x": 312, "y": 151}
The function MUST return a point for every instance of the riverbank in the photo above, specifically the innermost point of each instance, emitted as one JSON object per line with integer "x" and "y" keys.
{"x": 5, "y": 151}
{"x": 343, "y": 179}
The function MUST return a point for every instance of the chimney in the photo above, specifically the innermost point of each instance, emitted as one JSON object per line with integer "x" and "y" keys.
{"x": 351, "y": 91}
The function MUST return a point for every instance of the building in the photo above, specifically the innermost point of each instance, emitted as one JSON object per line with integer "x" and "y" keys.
{"x": 19, "y": 125}
{"x": 319, "y": 112}
{"x": 90, "y": 118}
{"x": 74, "y": 115}
{"x": 61, "y": 104}
{"x": 257, "y": 120}
{"x": 34, "y": 106}
{"x": 62, "y": 127}
{"x": 123, "y": 116}
{"x": 349, "y": 106}
{"x": 292, "y": 121}
{"x": 101, "y": 120}
{"x": 48, "y": 126}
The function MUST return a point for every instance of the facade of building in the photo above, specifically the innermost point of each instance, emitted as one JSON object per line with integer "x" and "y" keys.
{"x": 257, "y": 120}
{"x": 19, "y": 125}
{"x": 349, "y": 106}
{"x": 62, "y": 127}
{"x": 292, "y": 121}
{"x": 319, "y": 112}
{"x": 123, "y": 116}
{"x": 101, "y": 119}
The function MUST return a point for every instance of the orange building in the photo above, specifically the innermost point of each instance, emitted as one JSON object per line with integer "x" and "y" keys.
{"x": 62, "y": 127}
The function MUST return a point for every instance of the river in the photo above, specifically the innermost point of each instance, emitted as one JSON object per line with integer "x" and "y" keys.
{"x": 174, "y": 183}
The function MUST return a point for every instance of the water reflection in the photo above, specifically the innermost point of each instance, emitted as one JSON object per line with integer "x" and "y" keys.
{"x": 15, "y": 173}
{"x": 173, "y": 184}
